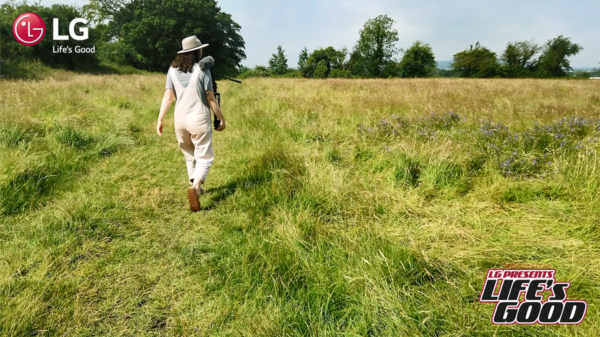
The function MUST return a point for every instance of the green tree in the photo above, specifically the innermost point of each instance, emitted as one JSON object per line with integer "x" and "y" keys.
{"x": 418, "y": 61}
{"x": 357, "y": 64}
{"x": 321, "y": 71}
{"x": 553, "y": 62}
{"x": 336, "y": 58}
{"x": 302, "y": 59}
{"x": 313, "y": 61}
{"x": 261, "y": 71}
{"x": 518, "y": 59}
{"x": 135, "y": 24}
{"x": 375, "y": 49}
{"x": 477, "y": 61}
{"x": 332, "y": 58}
{"x": 278, "y": 62}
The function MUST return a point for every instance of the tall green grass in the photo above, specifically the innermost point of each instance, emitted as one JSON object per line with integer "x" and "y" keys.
{"x": 336, "y": 207}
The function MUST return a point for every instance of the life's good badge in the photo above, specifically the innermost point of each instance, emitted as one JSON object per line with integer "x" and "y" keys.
{"x": 519, "y": 298}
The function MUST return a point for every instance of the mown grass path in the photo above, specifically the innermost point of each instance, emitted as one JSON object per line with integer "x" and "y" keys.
{"x": 335, "y": 207}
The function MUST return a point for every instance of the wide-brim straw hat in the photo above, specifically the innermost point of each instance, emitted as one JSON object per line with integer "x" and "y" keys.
{"x": 191, "y": 43}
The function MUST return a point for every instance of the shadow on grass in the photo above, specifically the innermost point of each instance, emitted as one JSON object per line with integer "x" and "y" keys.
{"x": 217, "y": 195}
{"x": 36, "y": 178}
{"x": 275, "y": 163}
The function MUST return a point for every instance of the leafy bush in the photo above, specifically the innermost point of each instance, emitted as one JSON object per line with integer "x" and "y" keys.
{"x": 332, "y": 58}
{"x": 259, "y": 71}
{"x": 477, "y": 61}
{"x": 293, "y": 73}
{"x": 418, "y": 61}
{"x": 321, "y": 71}
{"x": 262, "y": 71}
{"x": 23, "y": 69}
{"x": 339, "y": 73}
{"x": 116, "y": 53}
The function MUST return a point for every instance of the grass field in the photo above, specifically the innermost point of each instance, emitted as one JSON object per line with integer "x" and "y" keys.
{"x": 335, "y": 207}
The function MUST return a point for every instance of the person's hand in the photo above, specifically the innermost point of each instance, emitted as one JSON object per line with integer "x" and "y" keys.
{"x": 159, "y": 127}
{"x": 221, "y": 126}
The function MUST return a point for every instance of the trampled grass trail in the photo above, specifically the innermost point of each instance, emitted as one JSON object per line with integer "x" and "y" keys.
{"x": 335, "y": 207}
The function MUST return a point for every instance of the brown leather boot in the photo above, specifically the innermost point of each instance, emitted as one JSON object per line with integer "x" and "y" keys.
{"x": 193, "y": 198}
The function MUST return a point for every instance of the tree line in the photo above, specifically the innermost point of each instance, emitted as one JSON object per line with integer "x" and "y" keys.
{"x": 145, "y": 34}
{"x": 374, "y": 55}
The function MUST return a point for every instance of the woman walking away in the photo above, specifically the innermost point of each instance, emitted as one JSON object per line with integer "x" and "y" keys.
{"x": 189, "y": 81}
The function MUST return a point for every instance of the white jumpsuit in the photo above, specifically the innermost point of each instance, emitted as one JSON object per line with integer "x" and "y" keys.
{"x": 193, "y": 127}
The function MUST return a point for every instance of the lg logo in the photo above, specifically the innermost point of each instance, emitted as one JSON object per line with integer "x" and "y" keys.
{"x": 29, "y": 29}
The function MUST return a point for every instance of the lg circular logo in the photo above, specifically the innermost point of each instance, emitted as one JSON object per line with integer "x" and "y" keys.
{"x": 29, "y": 29}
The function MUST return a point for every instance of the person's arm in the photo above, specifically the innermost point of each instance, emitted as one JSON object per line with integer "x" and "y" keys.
{"x": 168, "y": 98}
{"x": 214, "y": 105}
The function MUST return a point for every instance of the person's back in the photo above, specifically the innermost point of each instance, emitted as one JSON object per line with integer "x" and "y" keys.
{"x": 205, "y": 80}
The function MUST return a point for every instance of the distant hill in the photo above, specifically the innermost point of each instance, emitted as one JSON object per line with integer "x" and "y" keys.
{"x": 444, "y": 64}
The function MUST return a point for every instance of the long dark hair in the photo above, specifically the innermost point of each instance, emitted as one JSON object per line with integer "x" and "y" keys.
{"x": 185, "y": 62}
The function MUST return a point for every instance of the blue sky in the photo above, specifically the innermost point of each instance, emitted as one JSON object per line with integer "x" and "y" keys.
{"x": 448, "y": 26}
